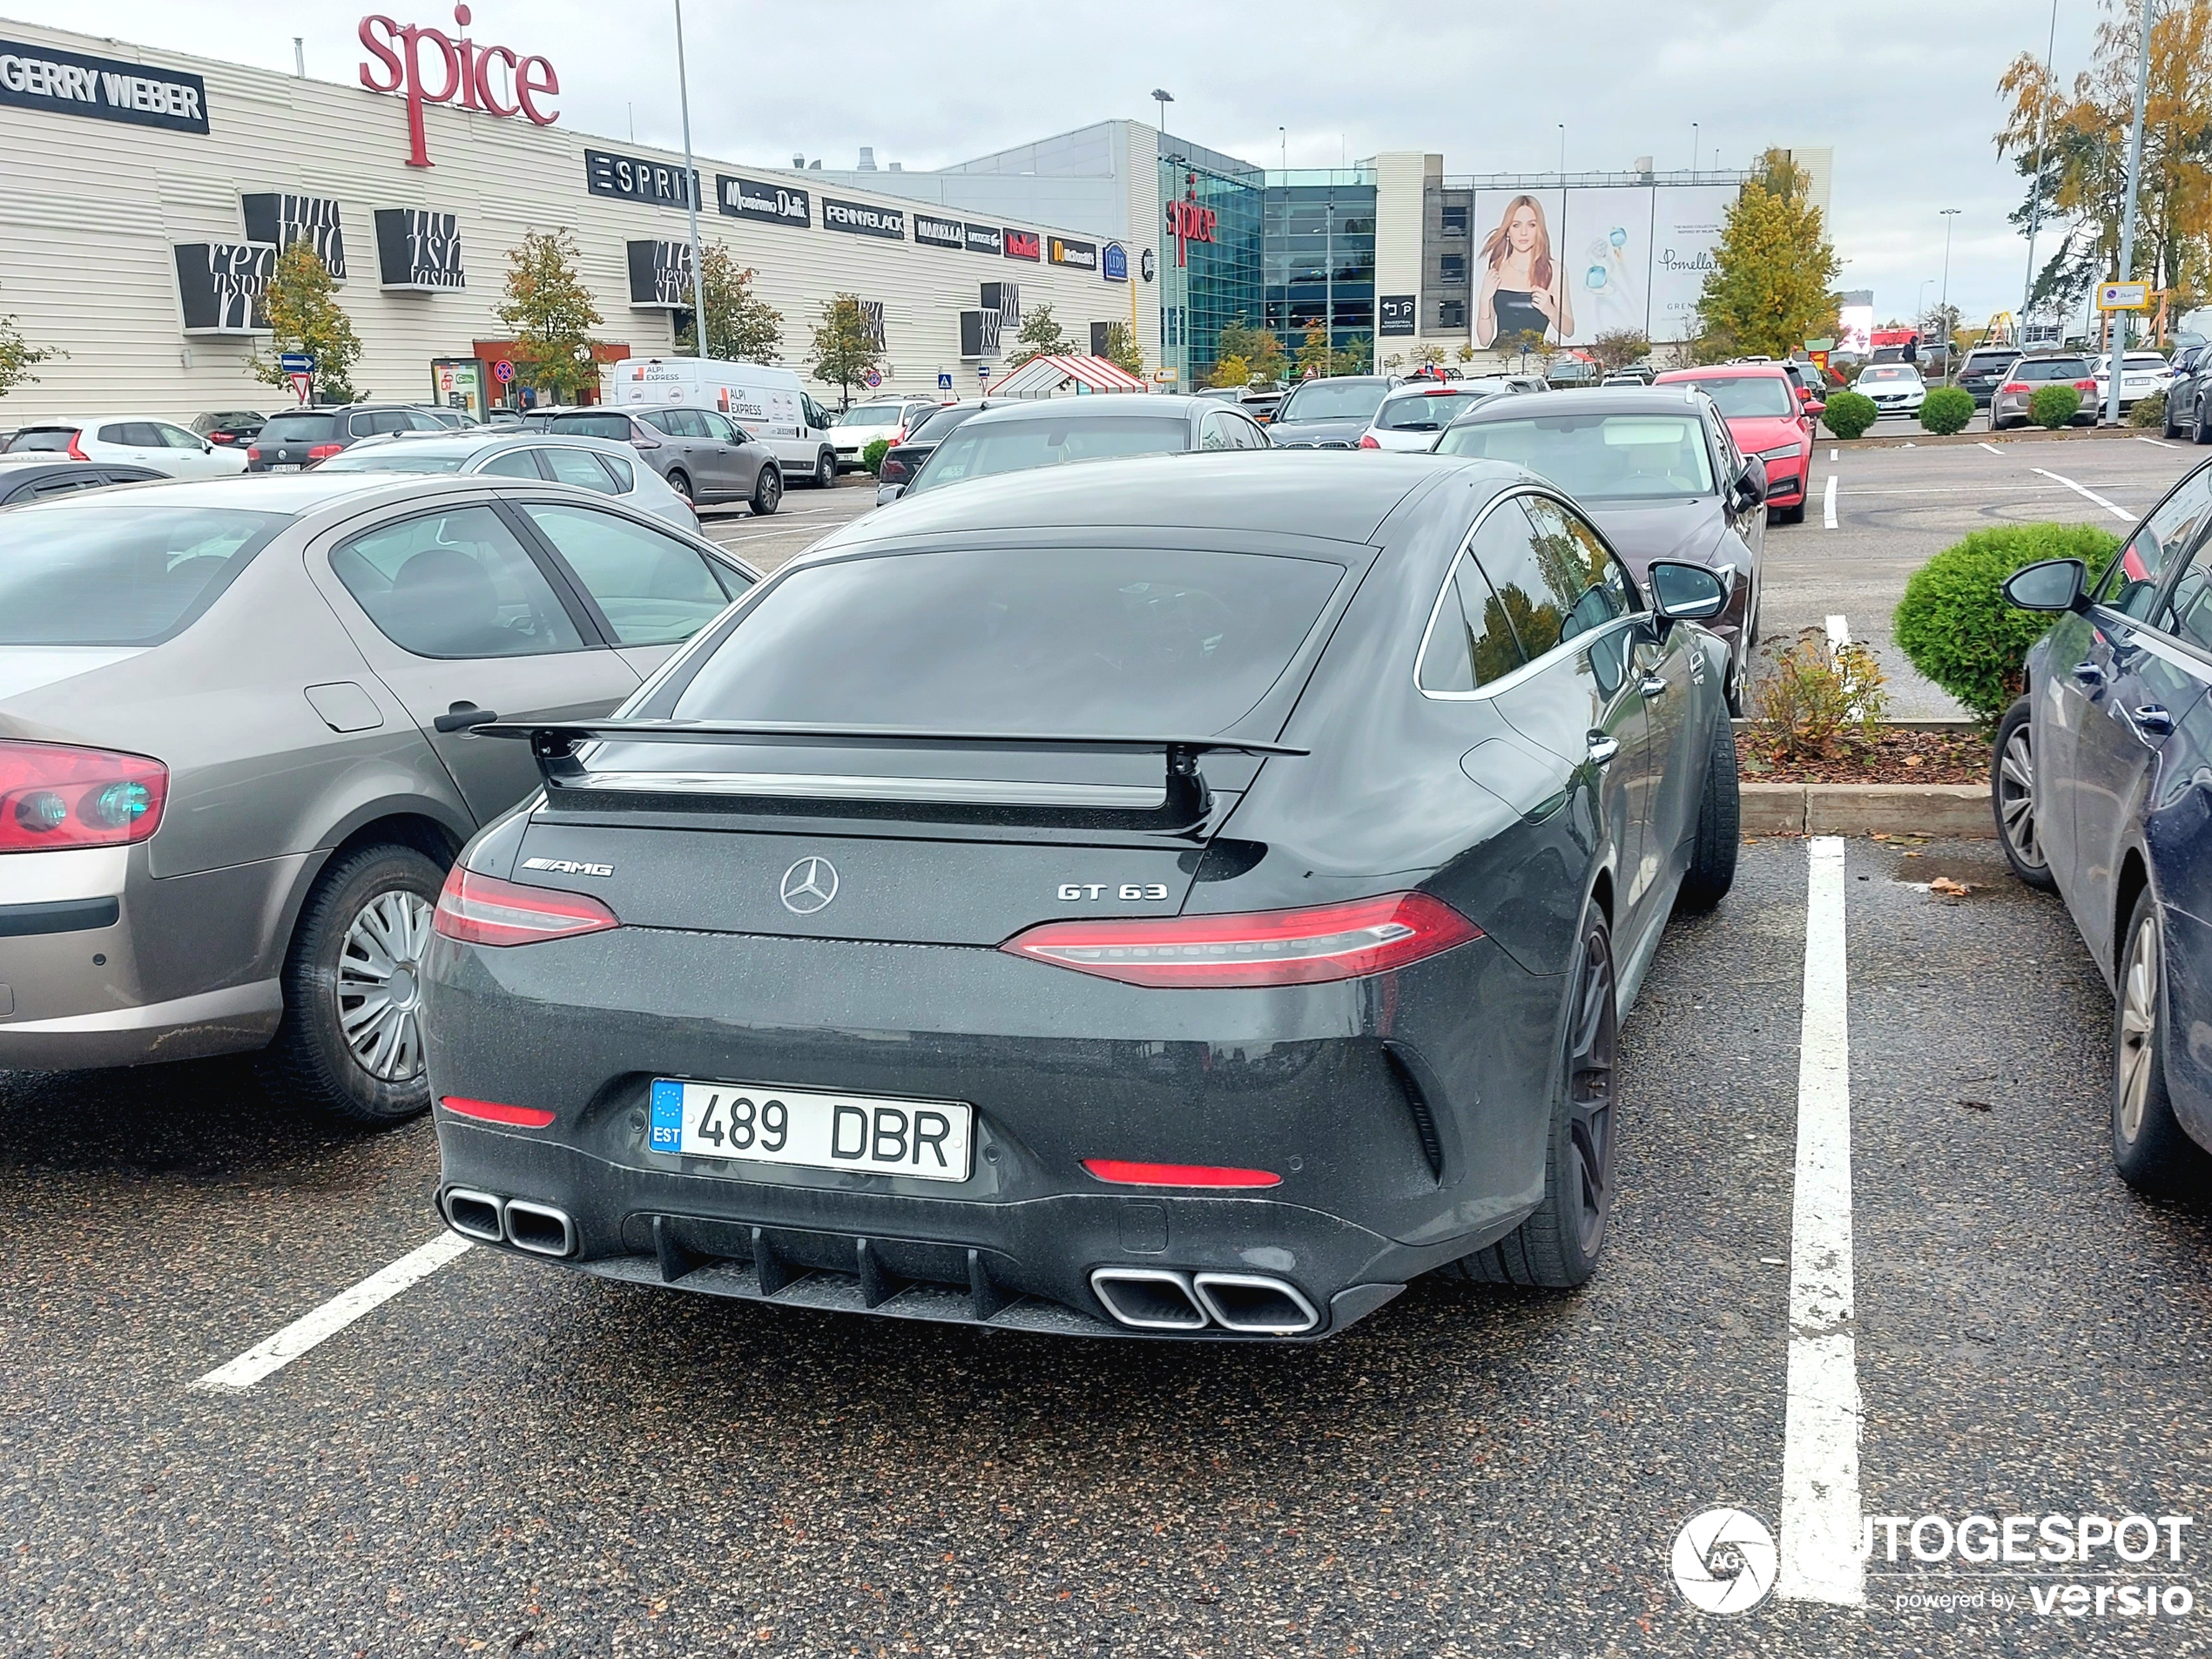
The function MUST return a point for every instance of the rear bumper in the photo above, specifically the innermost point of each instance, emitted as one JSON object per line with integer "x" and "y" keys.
{"x": 1362, "y": 1096}
{"x": 188, "y": 1027}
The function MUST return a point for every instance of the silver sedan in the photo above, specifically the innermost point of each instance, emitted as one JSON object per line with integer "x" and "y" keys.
{"x": 235, "y": 760}
{"x": 598, "y": 464}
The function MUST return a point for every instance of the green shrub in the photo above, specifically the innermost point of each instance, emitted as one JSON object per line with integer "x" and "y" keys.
{"x": 2053, "y": 406}
{"x": 1947, "y": 410}
{"x": 872, "y": 457}
{"x": 1816, "y": 696}
{"x": 1849, "y": 413}
{"x": 2147, "y": 411}
{"x": 1954, "y": 624}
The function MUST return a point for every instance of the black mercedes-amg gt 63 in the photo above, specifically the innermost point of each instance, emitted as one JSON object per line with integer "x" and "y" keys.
{"x": 1186, "y": 897}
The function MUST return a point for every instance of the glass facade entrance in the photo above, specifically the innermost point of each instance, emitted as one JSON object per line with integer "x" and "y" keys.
{"x": 1319, "y": 233}
{"x": 1206, "y": 285}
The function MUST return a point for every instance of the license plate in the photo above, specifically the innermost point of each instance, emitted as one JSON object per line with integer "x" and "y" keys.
{"x": 285, "y": 466}
{"x": 761, "y": 1124}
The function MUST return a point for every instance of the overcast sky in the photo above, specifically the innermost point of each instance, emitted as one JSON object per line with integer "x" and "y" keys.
{"x": 1904, "y": 91}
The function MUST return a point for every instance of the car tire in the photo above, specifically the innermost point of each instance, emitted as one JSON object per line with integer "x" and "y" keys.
{"x": 2012, "y": 796}
{"x": 2203, "y": 432}
{"x": 361, "y": 906}
{"x": 768, "y": 491}
{"x": 680, "y": 482}
{"x": 1720, "y": 828}
{"x": 2168, "y": 426}
{"x": 826, "y": 470}
{"x": 2150, "y": 1149}
{"x": 1556, "y": 1248}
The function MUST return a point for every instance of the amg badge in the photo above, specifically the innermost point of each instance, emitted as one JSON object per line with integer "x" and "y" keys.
{"x": 568, "y": 867}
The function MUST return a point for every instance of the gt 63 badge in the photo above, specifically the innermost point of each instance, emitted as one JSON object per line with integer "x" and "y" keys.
{"x": 1128, "y": 892}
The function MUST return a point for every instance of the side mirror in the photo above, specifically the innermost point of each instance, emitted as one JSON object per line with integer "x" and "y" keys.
{"x": 888, "y": 493}
{"x": 2051, "y": 585}
{"x": 1750, "y": 483}
{"x": 1686, "y": 592}
{"x": 1815, "y": 407}
{"x": 206, "y": 448}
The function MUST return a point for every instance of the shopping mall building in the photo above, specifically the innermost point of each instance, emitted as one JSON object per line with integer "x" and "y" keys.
{"x": 149, "y": 192}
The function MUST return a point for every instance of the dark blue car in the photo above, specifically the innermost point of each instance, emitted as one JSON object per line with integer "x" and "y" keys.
{"x": 2102, "y": 782}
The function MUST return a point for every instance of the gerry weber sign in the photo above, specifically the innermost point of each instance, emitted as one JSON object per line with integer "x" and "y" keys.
{"x": 464, "y": 74}
{"x": 45, "y": 77}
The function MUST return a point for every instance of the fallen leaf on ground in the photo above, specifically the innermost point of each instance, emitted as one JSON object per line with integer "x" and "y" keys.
{"x": 1946, "y": 885}
{"x": 1976, "y": 1105}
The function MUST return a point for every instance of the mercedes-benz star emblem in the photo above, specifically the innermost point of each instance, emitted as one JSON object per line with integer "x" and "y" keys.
{"x": 809, "y": 886}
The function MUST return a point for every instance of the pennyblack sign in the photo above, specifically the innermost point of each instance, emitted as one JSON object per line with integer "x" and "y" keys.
{"x": 749, "y": 199}
{"x": 864, "y": 220}
{"x": 109, "y": 89}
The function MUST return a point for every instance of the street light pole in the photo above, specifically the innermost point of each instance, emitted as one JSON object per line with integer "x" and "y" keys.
{"x": 690, "y": 191}
{"x": 2035, "y": 188}
{"x": 2119, "y": 354}
{"x": 1562, "y": 152}
{"x": 1943, "y": 306}
{"x": 1693, "y": 149}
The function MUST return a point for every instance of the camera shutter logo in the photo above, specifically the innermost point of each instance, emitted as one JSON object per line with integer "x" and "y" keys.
{"x": 1724, "y": 1562}
{"x": 809, "y": 886}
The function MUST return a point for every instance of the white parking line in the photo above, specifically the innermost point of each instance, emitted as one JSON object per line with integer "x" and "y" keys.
{"x": 333, "y": 1316}
{"x": 1832, "y": 457}
{"x": 1992, "y": 447}
{"x": 1838, "y": 632}
{"x": 1827, "y": 503}
{"x": 2086, "y": 494}
{"x": 2160, "y": 442}
{"x": 1820, "y": 1495}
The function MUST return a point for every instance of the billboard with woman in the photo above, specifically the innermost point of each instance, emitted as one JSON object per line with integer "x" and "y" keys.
{"x": 1521, "y": 285}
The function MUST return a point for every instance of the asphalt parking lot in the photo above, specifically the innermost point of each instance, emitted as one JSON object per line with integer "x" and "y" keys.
{"x": 806, "y": 515}
{"x": 1894, "y": 508}
{"x": 504, "y": 1457}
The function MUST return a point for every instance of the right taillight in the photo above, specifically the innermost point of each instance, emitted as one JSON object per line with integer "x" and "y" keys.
{"x": 1367, "y": 441}
{"x": 2016, "y": 386}
{"x": 484, "y": 910}
{"x": 1264, "y": 947}
{"x": 53, "y": 795}
{"x": 893, "y": 468}
{"x": 75, "y": 452}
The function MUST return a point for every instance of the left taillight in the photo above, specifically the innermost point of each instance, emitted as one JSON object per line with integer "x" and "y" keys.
{"x": 1367, "y": 441}
{"x": 1264, "y": 947}
{"x": 53, "y": 795}
{"x": 323, "y": 451}
{"x": 483, "y": 910}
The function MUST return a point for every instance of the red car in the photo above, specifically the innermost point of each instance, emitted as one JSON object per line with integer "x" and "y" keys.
{"x": 1768, "y": 422}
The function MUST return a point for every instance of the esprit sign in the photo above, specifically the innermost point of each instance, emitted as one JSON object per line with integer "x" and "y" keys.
{"x": 462, "y": 73}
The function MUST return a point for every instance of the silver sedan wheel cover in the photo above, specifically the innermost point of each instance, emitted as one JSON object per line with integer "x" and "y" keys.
{"x": 380, "y": 985}
{"x": 2138, "y": 1027}
{"x": 2016, "y": 798}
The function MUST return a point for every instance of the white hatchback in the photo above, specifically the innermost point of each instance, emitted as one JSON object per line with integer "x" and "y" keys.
{"x": 2142, "y": 373}
{"x": 133, "y": 440}
{"x": 1897, "y": 388}
{"x": 1412, "y": 418}
{"x": 890, "y": 419}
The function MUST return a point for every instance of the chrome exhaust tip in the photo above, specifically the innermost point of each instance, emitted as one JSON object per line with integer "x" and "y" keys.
{"x": 474, "y": 1214}
{"x": 1147, "y": 1299}
{"x": 539, "y": 1229}
{"x": 1249, "y": 1303}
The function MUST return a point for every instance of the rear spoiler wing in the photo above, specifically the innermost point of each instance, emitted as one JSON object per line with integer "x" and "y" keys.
{"x": 1184, "y": 804}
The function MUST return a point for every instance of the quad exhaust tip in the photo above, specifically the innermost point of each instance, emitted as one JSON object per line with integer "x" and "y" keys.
{"x": 538, "y": 1228}
{"x": 1159, "y": 1298}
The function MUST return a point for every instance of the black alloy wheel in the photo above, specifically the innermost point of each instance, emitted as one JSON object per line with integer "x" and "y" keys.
{"x": 767, "y": 489}
{"x": 1557, "y": 1247}
{"x": 825, "y": 469}
{"x": 680, "y": 482}
{"x": 2012, "y": 796}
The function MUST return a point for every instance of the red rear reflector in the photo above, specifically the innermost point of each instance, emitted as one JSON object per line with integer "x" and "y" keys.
{"x": 483, "y": 910}
{"x": 1264, "y": 947}
{"x": 53, "y": 795}
{"x": 1367, "y": 441}
{"x": 1123, "y": 1173}
{"x": 492, "y": 1112}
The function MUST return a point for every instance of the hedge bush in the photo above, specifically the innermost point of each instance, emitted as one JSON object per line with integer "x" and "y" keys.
{"x": 1849, "y": 413}
{"x": 1947, "y": 410}
{"x": 1954, "y": 624}
{"x": 2147, "y": 411}
{"x": 2052, "y": 407}
{"x": 872, "y": 457}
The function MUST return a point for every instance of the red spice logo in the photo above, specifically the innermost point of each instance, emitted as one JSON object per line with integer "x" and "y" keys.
{"x": 469, "y": 77}
{"x": 1188, "y": 222}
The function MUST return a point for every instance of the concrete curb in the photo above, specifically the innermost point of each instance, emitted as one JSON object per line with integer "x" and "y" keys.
{"x": 1924, "y": 440}
{"x": 1958, "y": 812}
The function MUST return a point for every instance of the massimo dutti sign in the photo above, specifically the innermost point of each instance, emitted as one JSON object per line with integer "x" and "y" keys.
{"x": 107, "y": 89}
{"x": 220, "y": 286}
{"x": 283, "y": 220}
{"x": 750, "y": 198}
{"x": 864, "y": 220}
{"x": 418, "y": 249}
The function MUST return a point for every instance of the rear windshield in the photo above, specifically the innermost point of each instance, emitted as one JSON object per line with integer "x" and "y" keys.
{"x": 1334, "y": 400}
{"x": 118, "y": 574}
{"x": 933, "y": 429}
{"x": 1892, "y": 372}
{"x": 1120, "y": 641}
{"x": 2052, "y": 368}
{"x": 1597, "y": 458}
{"x": 1021, "y": 446}
{"x": 593, "y": 425}
{"x": 306, "y": 427}
{"x": 873, "y": 414}
{"x": 40, "y": 440}
{"x": 394, "y": 457}
{"x": 1431, "y": 412}
{"x": 1737, "y": 395}
{"x": 1977, "y": 360}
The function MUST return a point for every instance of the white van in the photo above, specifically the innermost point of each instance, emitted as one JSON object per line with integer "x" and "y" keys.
{"x": 767, "y": 402}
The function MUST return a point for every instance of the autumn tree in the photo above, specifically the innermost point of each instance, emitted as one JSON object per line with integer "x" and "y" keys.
{"x": 1263, "y": 354}
{"x": 18, "y": 357}
{"x": 1314, "y": 356}
{"x": 1774, "y": 271}
{"x": 2083, "y": 131}
{"x": 741, "y": 327}
{"x": 1357, "y": 355}
{"x": 1466, "y": 353}
{"x": 549, "y": 312}
{"x": 1428, "y": 354}
{"x": 1230, "y": 372}
{"x": 1122, "y": 351}
{"x": 1618, "y": 348}
{"x": 1040, "y": 336}
{"x": 844, "y": 347}
{"x": 1523, "y": 341}
{"x": 301, "y": 305}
